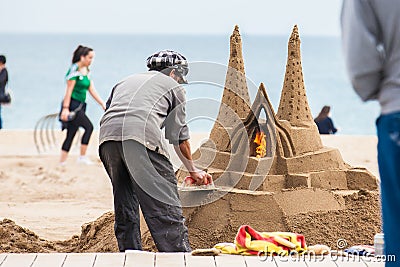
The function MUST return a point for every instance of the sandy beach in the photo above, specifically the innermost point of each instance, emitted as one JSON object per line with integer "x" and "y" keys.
{"x": 55, "y": 201}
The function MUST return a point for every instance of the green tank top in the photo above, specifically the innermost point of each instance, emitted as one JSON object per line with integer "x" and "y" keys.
{"x": 82, "y": 83}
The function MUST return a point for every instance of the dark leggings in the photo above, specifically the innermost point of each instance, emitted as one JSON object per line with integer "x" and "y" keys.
{"x": 81, "y": 120}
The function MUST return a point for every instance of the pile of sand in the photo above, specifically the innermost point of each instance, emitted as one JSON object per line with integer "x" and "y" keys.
{"x": 318, "y": 227}
{"x": 357, "y": 224}
{"x": 97, "y": 236}
{"x": 17, "y": 239}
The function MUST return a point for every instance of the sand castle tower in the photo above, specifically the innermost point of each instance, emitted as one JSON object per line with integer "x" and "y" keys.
{"x": 296, "y": 175}
{"x": 235, "y": 103}
{"x": 293, "y": 106}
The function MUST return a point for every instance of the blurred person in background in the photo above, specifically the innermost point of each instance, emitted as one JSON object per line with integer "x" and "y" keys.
{"x": 3, "y": 81}
{"x": 371, "y": 45}
{"x": 324, "y": 122}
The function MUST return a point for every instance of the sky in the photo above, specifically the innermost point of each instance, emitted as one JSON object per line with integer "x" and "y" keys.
{"x": 264, "y": 17}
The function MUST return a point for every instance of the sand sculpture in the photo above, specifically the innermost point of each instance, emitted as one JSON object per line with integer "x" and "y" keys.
{"x": 296, "y": 176}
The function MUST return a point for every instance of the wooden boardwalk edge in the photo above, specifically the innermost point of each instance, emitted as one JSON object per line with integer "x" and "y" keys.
{"x": 150, "y": 259}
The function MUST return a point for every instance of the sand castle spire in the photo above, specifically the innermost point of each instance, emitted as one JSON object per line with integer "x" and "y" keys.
{"x": 293, "y": 105}
{"x": 236, "y": 57}
{"x": 236, "y": 93}
{"x": 235, "y": 99}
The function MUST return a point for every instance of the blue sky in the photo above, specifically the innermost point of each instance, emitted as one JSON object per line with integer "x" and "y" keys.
{"x": 314, "y": 17}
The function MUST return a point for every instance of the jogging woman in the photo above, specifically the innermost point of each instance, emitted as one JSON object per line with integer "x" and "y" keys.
{"x": 78, "y": 84}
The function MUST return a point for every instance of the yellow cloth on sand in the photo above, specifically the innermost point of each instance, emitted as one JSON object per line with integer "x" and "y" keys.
{"x": 250, "y": 242}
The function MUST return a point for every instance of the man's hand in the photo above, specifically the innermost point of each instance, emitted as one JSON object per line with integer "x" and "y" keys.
{"x": 201, "y": 177}
{"x": 185, "y": 154}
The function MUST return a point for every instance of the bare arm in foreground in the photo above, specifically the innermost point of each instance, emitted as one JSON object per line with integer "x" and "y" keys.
{"x": 185, "y": 155}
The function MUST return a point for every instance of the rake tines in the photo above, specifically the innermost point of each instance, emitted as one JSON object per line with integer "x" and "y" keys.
{"x": 43, "y": 135}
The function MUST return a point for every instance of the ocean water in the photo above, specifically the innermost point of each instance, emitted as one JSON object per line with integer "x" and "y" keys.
{"x": 37, "y": 64}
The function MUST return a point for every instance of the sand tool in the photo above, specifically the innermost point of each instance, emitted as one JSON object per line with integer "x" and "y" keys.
{"x": 189, "y": 184}
{"x": 194, "y": 195}
{"x": 44, "y": 134}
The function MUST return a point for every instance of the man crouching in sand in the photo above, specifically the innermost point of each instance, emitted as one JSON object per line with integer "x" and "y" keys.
{"x": 134, "y": 153}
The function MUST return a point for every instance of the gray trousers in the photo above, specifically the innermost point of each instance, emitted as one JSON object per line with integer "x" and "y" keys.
{"x": 136, "y": 176}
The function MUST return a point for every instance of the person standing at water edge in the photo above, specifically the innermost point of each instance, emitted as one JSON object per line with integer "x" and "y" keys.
{"x": 324, "y": 122}
{"x": 78, "y": 84}
{"x": 134, "y": 153}
{"x": 3, "y": 81}
{"x": 371, "y": 44}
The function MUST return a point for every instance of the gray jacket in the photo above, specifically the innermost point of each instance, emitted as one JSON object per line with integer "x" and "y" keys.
{"x": 141, "y": 107}
{"x": 371, "y": 44}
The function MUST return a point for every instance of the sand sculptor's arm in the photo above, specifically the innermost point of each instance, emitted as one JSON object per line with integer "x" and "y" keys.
{"x": 185, "y": 155}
